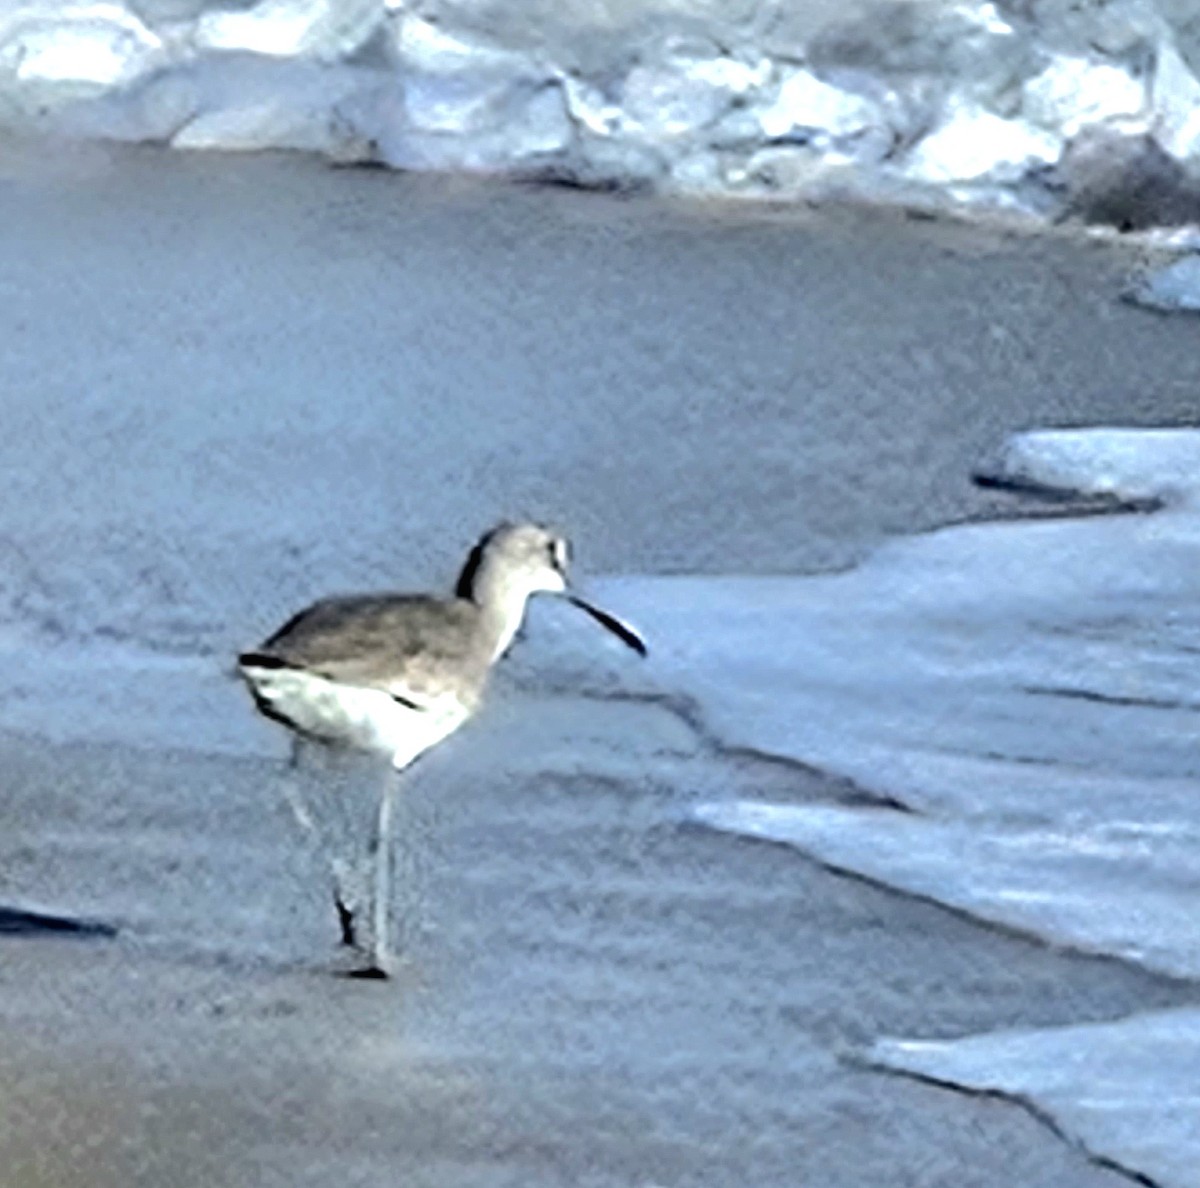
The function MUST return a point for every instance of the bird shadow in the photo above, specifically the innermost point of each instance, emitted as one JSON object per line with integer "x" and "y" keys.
{"x": 16, "y": 921}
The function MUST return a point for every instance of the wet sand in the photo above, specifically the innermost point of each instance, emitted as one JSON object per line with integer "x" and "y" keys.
{"x": 232, "y": 384}
{"x": 689, "y": 387}
{"x": 599, "y": 994}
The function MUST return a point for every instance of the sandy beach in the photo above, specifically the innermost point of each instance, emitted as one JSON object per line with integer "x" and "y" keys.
{"x": 232, "y": 384}
{"x": 600, "y": 995}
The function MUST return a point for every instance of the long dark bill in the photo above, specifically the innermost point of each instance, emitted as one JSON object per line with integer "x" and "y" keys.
{"x": 624, "y": 633}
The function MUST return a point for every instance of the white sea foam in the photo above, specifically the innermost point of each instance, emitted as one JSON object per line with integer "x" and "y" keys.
{"x": 1125, "y": 1090}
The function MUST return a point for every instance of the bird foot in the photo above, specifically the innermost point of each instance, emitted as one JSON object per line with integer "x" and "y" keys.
{"x": 363, "y": 964}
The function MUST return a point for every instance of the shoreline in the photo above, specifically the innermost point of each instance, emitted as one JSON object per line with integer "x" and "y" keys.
{"x": 587, "y": 962}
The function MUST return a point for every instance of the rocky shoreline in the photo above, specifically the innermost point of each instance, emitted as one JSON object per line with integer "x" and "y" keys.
{"x": 1043, "y": 107}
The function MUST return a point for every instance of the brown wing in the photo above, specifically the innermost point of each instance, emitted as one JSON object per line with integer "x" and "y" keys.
{"x": 414, "y": 647}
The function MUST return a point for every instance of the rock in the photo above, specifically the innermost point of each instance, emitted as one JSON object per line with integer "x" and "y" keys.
{"x": 1125, "y": 180}
{"x": 1175, "y": 103}
{"x": 593, "y": 163}
{"x": 567, "y": 30}
{"x": 658, "y": 102}
{"x": 157, "y": 13}
{"x": 698, "y": 173}
{"x": 468, "y": 104}
{"x": 811, "y": 111}
{"x": 421, "y": 45}
{"x": 936, "y": 101}
{"x": 685, "y": 87}
{"x": 780, "y": 169}
{"x": 153, "y": 109}
{"x": 1074, "y": 92}
{"x": 476, "y": 125}
{"x": 591, "y": 107}
{"x": 1173, "y": 288}
{"x": 323, "y": 29}
{"x": 461, "y": 104}
{"x": 243, "y": 102}
{"x": 925, "y": 51}
{"x": 56, "y": 54}
{"x": 974, "y": 145}
{"x": 1114, "y": 29}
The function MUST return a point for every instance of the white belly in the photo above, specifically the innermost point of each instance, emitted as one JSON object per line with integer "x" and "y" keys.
{"x": 350, "y": 715}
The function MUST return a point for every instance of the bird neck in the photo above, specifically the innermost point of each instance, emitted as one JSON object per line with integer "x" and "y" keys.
{"x": 502, "y": 605}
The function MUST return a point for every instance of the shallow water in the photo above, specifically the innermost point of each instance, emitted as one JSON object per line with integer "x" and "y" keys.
{"x": 1021, "y": 696}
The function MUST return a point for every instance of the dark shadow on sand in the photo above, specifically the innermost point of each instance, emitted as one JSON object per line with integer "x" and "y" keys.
{"x": 19, "y": 922}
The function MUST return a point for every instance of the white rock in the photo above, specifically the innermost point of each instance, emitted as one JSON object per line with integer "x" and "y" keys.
{"x": 77, "y": 47}
{"x": 419, "y": 44}
{"x": 484, "y": 130}
{"x": 455, "y": 87}
{"x": 536, "y": 124}
{"x": 1115, "y": 28}
{"x": 782, "y": 168}
{"x": 986, "y": 17}
{"x": 692, "y": 110}
{"x": 590, "y": 107}
{"x": 1175, "y": 104}
{"x": 683, "y": 87}
{"x": 266, "y": 124}
{"x": 464, "y": 104}
{"x": 698, "y": 173}
{"x": 1175, "y": 287}
{"x": 806, "y": 106}
{"x": 612, "y": 163}
{"x": 322, "y": 29}
{"x": 244, "y": 102}
{"x": 920, "y": 52}
{"x": 455, "y": 103}
{"x": 1073, "y": 92}
{"x": 658, "y": 101}
{"x": 731, "y": 74}
{"x": 975, "y": 145}
{"x": 153, "y": 109}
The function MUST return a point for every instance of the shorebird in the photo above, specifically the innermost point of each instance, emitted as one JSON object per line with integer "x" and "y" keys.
{"x": 395, "y": 674}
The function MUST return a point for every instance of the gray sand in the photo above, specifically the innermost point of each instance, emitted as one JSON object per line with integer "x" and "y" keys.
{"x": 599, "y": 995}
{"x": 687, "y": 387}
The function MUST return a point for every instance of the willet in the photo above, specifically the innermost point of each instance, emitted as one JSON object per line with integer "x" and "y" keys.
{"x": 395, "y": 674}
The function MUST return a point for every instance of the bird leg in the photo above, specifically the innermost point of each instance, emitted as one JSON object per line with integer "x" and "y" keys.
{"x": 348, "y": 897}
{"x": 328, "y": 827}
{"x": 300, "y": 807}
{"x": 379, "y": 852}
{"x": 345, "y": 916}
{"x": 360, "y": 855}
